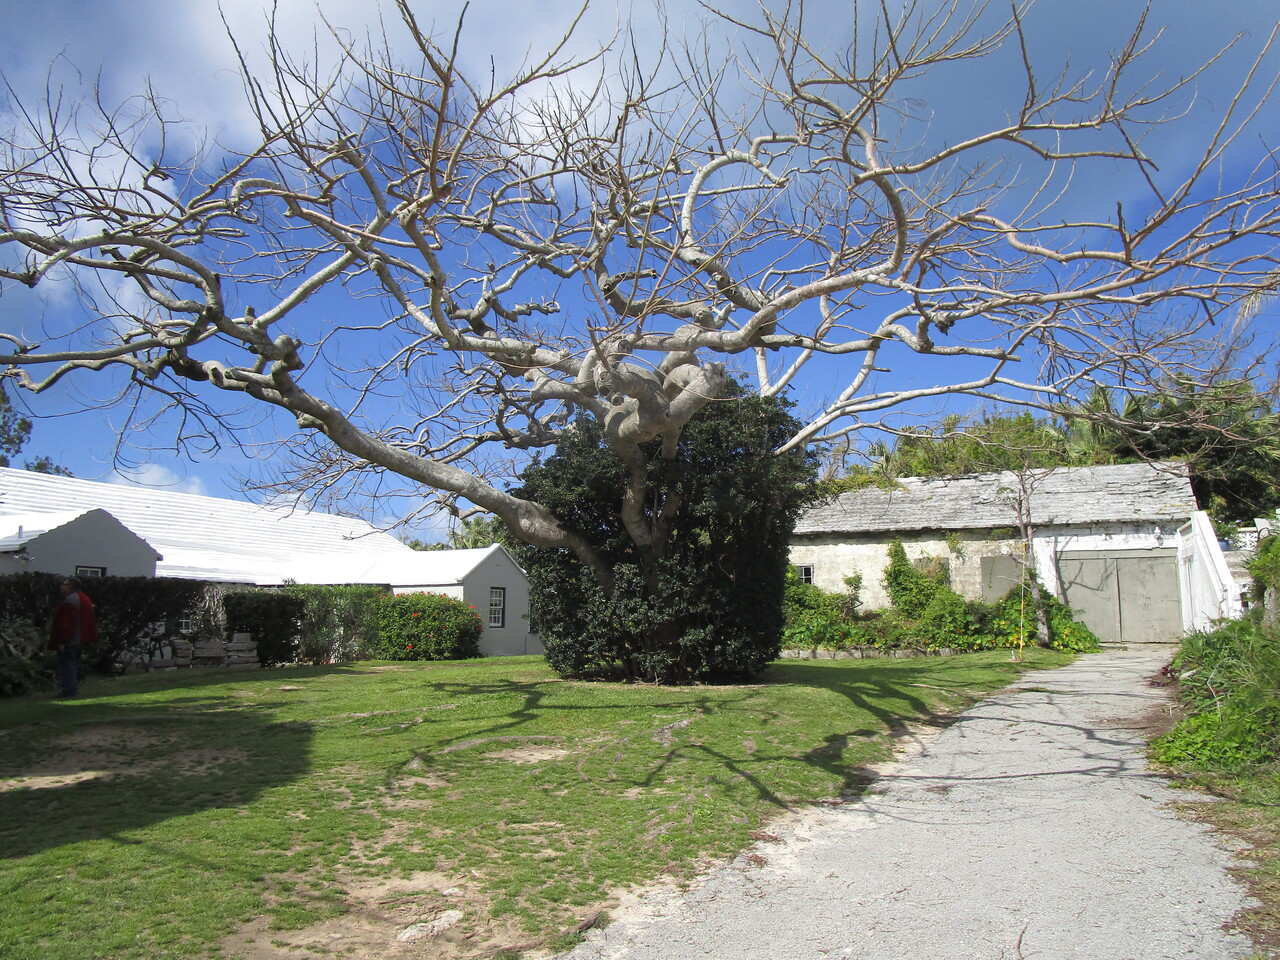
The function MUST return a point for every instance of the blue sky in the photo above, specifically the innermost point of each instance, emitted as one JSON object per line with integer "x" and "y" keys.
{"x": 181, "y": 49}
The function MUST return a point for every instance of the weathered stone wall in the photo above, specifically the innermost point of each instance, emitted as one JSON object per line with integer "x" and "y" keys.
{"x": 834, "y": 557}
{"x": 240, "y": 651}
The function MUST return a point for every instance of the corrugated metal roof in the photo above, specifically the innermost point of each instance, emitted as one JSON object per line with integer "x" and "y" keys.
{"x": 421, "y": 568}
{"x": 205, "y": 537}
{"x": 1123, "y": 493}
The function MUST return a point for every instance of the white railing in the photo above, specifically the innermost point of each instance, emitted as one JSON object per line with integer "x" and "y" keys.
{"x": 1209, "y": 591}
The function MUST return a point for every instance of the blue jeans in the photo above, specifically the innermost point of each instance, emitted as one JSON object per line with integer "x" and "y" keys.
{"x": 69, "y": 669}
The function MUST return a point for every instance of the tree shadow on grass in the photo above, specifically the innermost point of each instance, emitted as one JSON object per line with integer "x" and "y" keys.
{"x": 94, "y": 769}
{"x": 526, "y": 710}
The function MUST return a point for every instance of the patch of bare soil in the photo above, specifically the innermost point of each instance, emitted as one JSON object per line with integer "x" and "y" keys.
{"x": 425, "y": 916}
{"x": 102, "y": 752}
{"x": 107, "y": 739}
{"x": 528, "y": 754}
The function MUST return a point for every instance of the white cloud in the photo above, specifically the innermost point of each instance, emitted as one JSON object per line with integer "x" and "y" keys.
{"x": 156, "y": 475}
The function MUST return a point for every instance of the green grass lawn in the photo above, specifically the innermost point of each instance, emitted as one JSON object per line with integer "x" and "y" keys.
{"x": 218, "y": 813}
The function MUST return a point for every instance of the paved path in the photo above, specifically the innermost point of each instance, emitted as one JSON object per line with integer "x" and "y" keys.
{"x": 1031, "y": 828}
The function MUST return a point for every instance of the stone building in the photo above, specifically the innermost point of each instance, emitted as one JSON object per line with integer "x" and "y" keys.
{"x": 1103, "y": 539}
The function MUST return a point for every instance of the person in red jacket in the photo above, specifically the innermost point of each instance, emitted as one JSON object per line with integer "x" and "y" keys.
{"x": 74, "y": 624}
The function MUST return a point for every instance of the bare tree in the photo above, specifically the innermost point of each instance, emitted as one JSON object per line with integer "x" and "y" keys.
{"x": 434, "y": 273}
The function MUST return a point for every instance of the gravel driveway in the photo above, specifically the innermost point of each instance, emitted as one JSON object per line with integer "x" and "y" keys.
{"x": 1030, "y": 828}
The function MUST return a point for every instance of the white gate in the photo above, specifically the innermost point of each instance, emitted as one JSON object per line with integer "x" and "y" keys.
{"x": 1209, "y": 592}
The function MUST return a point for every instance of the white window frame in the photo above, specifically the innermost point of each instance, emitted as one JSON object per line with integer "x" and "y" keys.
{"x": 84, "y": 572}
{"x": 805, "y": 572}
{"x": 497, "y": 607}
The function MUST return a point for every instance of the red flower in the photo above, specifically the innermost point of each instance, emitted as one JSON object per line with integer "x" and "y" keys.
{"x": 408, "y": 646}
{"x": 415, "y": 614}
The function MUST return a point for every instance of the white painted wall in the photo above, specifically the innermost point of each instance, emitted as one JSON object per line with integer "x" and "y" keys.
{"x": 513, "y": 637}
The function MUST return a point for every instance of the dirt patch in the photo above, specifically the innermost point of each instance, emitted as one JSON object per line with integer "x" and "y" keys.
{"x": 423, "y": 915}
{"x": 48, "y": 781}
{"x": 480, "y": 741}
{"x": 528, "y": 754}
{"x": 101, "y": 752}
{"x": 199, "y": 762}
{"x": 112, "y": 739}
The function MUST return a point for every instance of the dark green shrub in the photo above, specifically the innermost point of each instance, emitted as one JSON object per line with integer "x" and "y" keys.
{"x": 127, "y": 609}
{"x": 337, "y": 623}
{"x": 425, "y": 626}
{"x": 704, "y": 599}
{"x": 272, "y": 617}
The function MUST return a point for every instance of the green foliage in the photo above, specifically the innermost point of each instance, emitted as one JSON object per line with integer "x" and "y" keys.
{"x": 1228, "y": 741}
{"x": 815, "y": 628}
{"x": 813, "y": 617}
{"x": 1229, "y": 436}
{"x": 960, "y": 446}
{"x": 1068, "y": 632}
{"x": 910, "y": 588}
{"x": 704, "y": 598}
{"x": 337, "y": 623}
{"x": 25, "y": 663}
{"x": 15, "y": 431}
{"x": 126, "y": 607}
{"x": 475, "y": 532}
{"x": 1265, "y": 566}
{"x": 425, "y": 626}
{"x": 946, "y": 622}
{"x": 1011, "y": 620}
{"x": 1230, "y": 678}
{"x": 851, "y": 600}
{"x": 273, "y": 617}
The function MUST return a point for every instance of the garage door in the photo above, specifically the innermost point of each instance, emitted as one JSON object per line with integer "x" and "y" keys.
{"x": 1127, "y": 598}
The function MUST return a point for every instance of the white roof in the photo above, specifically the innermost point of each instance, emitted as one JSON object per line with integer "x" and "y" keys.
{"x": 415, "y": 568}
{"x": 206, "y": 538}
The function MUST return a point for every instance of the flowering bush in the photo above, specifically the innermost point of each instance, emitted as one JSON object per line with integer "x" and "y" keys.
{"x": 425, "y": 626}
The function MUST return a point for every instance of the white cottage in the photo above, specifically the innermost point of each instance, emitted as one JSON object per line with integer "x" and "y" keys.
{"x": 487, "y": 578}
{"x": 1105, "y": 540}
{"x": 83, "y": 543}
{"x": 65, "y": 525}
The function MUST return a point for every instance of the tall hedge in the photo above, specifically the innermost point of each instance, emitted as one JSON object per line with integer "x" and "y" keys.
{"x": 127, "y": 608}
{"x": 273, "y": 617}
{"x": 705, "y": 599}
{"x": 337, "y": 623}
